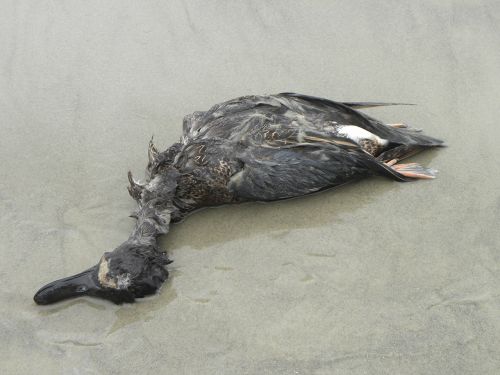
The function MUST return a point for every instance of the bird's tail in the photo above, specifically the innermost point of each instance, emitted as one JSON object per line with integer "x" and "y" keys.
{"x": 361, "y": 105}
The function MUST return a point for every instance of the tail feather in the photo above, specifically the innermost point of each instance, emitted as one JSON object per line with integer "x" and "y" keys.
{"x": 360, "y": 105}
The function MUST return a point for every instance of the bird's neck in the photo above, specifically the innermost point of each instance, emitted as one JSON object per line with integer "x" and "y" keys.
{"x": 153, "y": 220}
{"x": 156, "y": 207}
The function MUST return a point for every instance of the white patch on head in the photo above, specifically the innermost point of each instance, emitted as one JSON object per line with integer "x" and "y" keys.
{"x": 121, "y": 282}
{"x": 357, "y": 134}
{"x": 102, "y": 275}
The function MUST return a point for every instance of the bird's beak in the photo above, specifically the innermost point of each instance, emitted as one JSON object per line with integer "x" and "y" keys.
{"x": 84, "y": 283}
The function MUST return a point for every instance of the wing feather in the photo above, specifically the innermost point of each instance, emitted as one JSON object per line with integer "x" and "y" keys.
{"x": 272, "y": 173}
{"x": 357, "y": 118}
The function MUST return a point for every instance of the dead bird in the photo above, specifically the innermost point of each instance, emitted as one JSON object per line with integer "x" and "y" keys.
{"x": 253, "y": 148}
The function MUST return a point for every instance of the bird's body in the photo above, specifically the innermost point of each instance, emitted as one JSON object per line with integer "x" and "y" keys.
{"x": 264, "y": 148}
{"x": 253, "y": 148}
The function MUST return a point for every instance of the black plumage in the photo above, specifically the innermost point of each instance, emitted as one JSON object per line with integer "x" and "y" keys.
{"x": 253, "y": 148}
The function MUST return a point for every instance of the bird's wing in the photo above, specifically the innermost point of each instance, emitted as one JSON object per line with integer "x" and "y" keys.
{"x": 231, "y": 119}
{"x": 346, "y": 114}
{"x": 270, "y": 173}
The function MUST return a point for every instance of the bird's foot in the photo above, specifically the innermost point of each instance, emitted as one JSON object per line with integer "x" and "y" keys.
{"x": 401, "y": 125}
{"x": 398, "y": 125}
{"x": 412, "y": 170}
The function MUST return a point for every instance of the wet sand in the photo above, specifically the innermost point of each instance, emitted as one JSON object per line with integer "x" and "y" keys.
{"x": 377, "y": 277}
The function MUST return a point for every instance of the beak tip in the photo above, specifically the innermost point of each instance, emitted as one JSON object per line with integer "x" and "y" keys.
{"x": 69, "y": 287}
{"x": 39, "y": 301}
{"x": 42, "y": 297}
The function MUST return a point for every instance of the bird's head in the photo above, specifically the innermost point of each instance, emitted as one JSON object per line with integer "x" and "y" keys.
{"x": 130, "y": 271}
